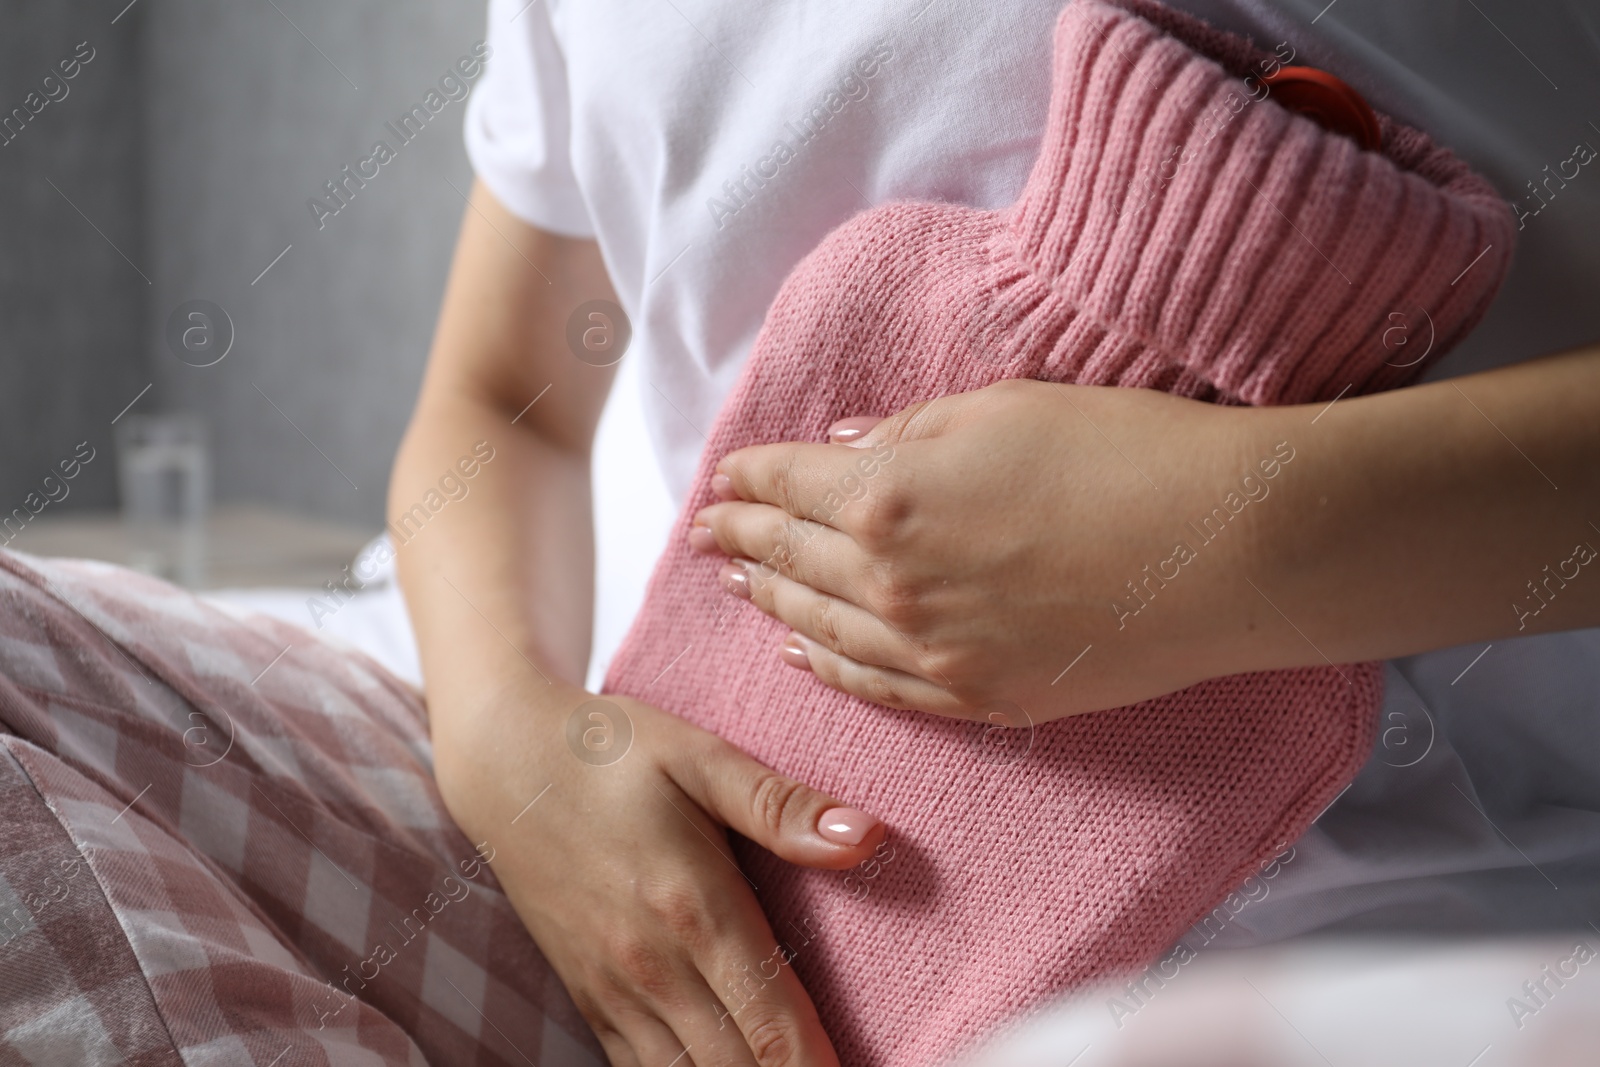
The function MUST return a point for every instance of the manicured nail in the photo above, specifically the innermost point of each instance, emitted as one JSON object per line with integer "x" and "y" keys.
{"x": 794, "y": 653}
{"x": 701, "y": 539}
{"x": 845, "y": 826}
{"x": 848, "y": 431}
{"x": 722, "y": 485}
{"x": 735, "y": 580}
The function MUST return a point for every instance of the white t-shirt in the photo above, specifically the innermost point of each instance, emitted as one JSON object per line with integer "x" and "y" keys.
{"x": 708, "y": 145}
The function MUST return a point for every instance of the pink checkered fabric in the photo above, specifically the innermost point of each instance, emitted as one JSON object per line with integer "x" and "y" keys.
{"x": 220, "y": 843}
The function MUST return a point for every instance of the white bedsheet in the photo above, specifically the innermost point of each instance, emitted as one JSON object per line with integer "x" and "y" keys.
{"x": 1376, "y": 1003}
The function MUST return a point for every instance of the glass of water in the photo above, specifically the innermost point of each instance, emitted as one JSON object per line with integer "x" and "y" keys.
{"x": 164, "y": 475}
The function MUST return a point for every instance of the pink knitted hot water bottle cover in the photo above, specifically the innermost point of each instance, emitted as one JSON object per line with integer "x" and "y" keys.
{"x": 1181, "y": 231}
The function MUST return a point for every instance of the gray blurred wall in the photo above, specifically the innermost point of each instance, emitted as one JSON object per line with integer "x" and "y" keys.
{"x": 194, "y": 140}
{"x": 72, "y": 308}
{"x": 249, "y": 108}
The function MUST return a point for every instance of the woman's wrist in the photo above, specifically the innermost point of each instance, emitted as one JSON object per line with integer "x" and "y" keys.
{"x": 477, "y": 703}
{"x": 495, "y": 742}
{"x": 1233, "y": 523}
{"x": 1419, "y": 518}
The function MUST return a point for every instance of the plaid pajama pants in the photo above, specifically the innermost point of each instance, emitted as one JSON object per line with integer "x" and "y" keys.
{"x": 220, "y": 843}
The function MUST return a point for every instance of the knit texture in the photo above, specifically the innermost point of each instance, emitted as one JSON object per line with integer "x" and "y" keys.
{"x": 1179, "y": 231}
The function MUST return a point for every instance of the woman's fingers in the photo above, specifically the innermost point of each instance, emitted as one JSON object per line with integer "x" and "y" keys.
{"x": 824, "y": 483}
{"x": 806, "y": 551}
{"x": 639, "y": 1039}
{"x": 619, "y": 1052}
{"x": 685, "y": 1027}
{"x": 743, "y": 1007}
{"x": 784, "y": 816}
{"x": 754, "y": 1006}
{"x": 849, "y": 431}
{"x": 733, "y": 1002}
{"x": 840, "y": 625}
{"x": 881, "y": 685}
{"x": 762, "y": 999}
{"x": 683, "y": 988}
{"x": 812, "y": 481}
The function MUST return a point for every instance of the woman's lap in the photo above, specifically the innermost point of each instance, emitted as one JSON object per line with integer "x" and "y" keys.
{"x": 216, "y": 831}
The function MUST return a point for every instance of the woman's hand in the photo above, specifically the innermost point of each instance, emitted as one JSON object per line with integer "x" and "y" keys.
{"x": 604, "y": 820}
{"x": 972, "y": 551}
{"x": 1069, "y": 548}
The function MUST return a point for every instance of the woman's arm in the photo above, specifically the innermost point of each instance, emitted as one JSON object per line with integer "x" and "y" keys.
{"x": 518, "y": 550}
{"x": 1072, "y": 548}
{"x": 1458, "y": 511}
{"x": 615, "y": 858}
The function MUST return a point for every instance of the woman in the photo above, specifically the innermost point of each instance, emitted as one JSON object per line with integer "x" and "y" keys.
{"x": 631, "y": 157}
{"x": 586, "y": 131}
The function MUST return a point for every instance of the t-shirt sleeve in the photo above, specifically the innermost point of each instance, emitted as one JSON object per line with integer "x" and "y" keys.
{"x": 518, "y": 122}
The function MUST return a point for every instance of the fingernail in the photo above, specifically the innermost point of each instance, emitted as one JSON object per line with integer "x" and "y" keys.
{"x": 846, "y": 431}
{"x": 722, "y": 485}
{"x": 845, "y": 826}
{"x": 794, "y": 653}
{"x": 735, "y": 580}
{"x": 701, "y": 539}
